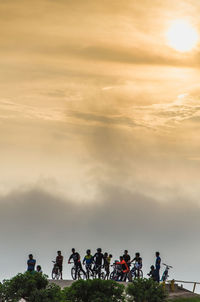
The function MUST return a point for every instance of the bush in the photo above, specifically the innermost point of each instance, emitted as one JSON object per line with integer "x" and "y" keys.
{"x": 31, "y": 287}
{"x": 94, "y": 291}
{"x": 50, "y": 294}
{"x": 145, "y": 290}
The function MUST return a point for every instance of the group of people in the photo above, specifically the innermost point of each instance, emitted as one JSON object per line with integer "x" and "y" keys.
{"x": 31, "y": 265}
{"x": 98, "y": 261}
{"x": 92, "y": 263}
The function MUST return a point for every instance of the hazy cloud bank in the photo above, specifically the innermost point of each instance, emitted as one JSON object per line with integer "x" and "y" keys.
{"x": 39, "y": 222}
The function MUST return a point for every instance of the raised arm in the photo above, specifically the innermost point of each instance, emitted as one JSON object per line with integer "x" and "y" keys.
{"x": 70, "y": 258}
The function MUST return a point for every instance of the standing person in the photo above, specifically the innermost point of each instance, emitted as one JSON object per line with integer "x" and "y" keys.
{"x": 98, "y": 259}
{"x": 109, "y": 261}
{"x": 158, "y": 261}
{"x": 31, "y": 264}
{"x": 127, "y": 258}
{"x": 77, "y": 262}
{"x": 107, "y": 265}
{"x": 109, "y": 258}
{"x": 59, "y": 262}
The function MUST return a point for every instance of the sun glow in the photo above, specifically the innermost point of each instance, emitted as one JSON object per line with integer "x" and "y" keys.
{"x": 182, "y": 36}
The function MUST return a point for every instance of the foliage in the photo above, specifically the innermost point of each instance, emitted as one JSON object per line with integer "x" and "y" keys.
{"x": 33, "y": 287}
{"x": 94, "y": 291}
{"x": 36, "y": 288}
{"x": 50, "y": 294}
{"x": 145, "y": 290}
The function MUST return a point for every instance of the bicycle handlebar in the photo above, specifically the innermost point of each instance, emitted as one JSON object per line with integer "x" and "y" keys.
{"x": 167, "y": 265}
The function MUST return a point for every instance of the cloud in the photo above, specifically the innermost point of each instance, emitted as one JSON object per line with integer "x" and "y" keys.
{"x": 139, "y": 55}
{"x": 160, "y": 117}
{"x": 114, "y": 32}
{"x": 39, "y": 222}
{"x": 112, "y": 120}
{"x": 167, "y": 115}
{"x": 14, "y": 110}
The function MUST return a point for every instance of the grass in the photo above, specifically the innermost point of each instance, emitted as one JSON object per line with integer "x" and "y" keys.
{"x": 186, "y": 300}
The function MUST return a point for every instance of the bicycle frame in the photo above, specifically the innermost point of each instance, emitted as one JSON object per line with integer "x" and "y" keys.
{"x": 136, "y": 271}
{"x": 165, "y": 274}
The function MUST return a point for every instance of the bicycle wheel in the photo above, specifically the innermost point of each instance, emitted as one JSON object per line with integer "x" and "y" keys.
{"x": 133, "y": 273}
{"x": 95, "y": 274}
{"x": 102, "y": 276}
{"x": 112, "y": 276}
{"x": 90, "y": 274}
{"x": 124, "y": 277}
{"x": 98, "y": 273}
{"x": 53, "y": 274}
{"x": 81, "y": 275}
{"x": 140, "y": 274}
{"x": 129, "y": 276}
{"x": 73, "y": 273}
{"x": 58, "y": 275}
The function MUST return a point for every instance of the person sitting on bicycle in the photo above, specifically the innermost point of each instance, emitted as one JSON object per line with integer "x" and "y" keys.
{"x": 87, "y": 261}
{"x": 98, "y": 259}
{"x": 77, "y": 262}
{"x": 125, "y": 269}
{"x": 152, "y": 274}
{"x": 59, "y": 262}
{"x": 138, "y": 264}
{"x": 127, "y": 258}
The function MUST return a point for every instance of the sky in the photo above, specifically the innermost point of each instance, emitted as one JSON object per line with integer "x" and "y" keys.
{"x": 99, "y": 132}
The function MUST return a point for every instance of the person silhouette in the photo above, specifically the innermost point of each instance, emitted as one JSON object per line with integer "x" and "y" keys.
{"x": 157, "y": 266}
{"x": 31, "y": 263}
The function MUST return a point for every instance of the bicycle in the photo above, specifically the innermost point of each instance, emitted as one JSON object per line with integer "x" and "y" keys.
{"x": 115, "y": 274}
{"x": 118, "y": 275}
{"x": 89, "y": 271}
{"x": 56, "y": 273}
{"x": 165, "y": 274}
{"x": 77, "y": 273}
{"x": 97, "y": 272}
{"x": 136, "y": 271}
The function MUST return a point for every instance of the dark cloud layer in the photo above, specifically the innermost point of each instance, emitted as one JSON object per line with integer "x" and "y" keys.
{"x": 39, "y": 222}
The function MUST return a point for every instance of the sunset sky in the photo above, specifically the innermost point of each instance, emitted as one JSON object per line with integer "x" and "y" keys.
{"x": 100, "y": 123}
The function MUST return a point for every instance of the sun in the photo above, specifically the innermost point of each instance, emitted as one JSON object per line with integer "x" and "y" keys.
{"x": 182, "y": 36}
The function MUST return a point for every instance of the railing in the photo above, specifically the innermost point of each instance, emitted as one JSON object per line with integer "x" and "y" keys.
{"x": 172, "y": 282}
